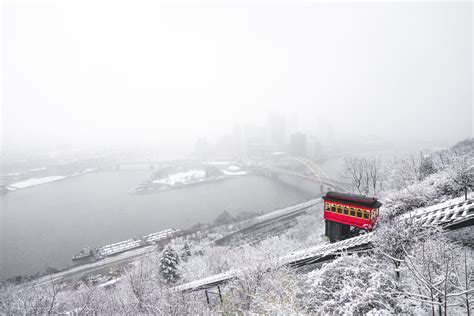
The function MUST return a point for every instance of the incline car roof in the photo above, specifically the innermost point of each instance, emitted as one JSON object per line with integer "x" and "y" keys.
{"x": 354, "y": 198}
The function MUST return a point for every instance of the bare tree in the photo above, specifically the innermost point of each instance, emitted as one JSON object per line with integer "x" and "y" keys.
{"x": 363, "y": 173}
{"x": 354, "y": 172}
{"x": 31, "y": 299}
{"x": 374, "y": 173}
{"x": 463, "y": 173}
{"x": 436, "y": 273}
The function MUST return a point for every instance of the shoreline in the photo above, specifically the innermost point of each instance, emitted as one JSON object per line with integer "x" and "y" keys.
{"x": 153, "y": 188}
{"x": 44, "y": 180}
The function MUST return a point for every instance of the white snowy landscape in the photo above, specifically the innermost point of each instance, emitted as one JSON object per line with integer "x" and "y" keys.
{"x": 409, "y": 269}
{"x": 237, "y": 158}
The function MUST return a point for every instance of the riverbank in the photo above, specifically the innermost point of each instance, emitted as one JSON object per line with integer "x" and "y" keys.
{"x": 156, "y": 188}
{"x": 191, "y": 177}
{"x": 32, "y": 182}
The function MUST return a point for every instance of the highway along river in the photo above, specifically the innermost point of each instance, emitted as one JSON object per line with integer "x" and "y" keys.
{"x": 44, "y": 226}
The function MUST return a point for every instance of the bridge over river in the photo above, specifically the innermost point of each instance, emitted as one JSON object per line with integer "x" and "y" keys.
{"x": 310, "y": 171}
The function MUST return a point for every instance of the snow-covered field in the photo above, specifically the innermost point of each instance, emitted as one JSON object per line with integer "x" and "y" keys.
{"x": 195, "y": 175}
{"x": 182, "y": 177}
{"x": 234, "y": 171}
{"x": 34, "y": 181}
{"x": 43, "y": 180}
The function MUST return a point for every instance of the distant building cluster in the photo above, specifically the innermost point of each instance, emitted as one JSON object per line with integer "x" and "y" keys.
{"x": 254, "y": 142}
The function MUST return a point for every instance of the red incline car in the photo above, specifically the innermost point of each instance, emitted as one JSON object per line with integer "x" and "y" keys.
{"x": 343, "y": 211}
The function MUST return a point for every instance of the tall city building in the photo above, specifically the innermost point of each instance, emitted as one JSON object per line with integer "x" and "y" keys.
{"x": 276, "y": 125}
{"x": 202, "y": 150}
{"x": 298, "y": 145}
{"x": 240, "y": 148}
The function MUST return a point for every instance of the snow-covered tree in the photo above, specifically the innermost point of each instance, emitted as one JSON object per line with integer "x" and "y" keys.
{"x": 393, "y": 237}
{"x": 44, "y": 299}
{"x": 185, "y": 252}
{"x": 280, "y": 291}
{"x": 427, "y": 166}
{"x": 439, "y": 276}
{"x": 462, "y": 173}
{"x": 351, "y": 285}
{"x": 169, "y": 262}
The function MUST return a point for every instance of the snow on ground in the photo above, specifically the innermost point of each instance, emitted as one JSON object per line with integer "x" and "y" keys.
{"x": 38, "y": 169}
{"x": 82, "y": 172}
{"x": 218, "y": 163}
{"x": 235, "y": 173}
{"x": 110, "y": 282}
{"x": 182, "y": 177}
{"x": 34, "y": 181}
{"x": 38, "y": 181}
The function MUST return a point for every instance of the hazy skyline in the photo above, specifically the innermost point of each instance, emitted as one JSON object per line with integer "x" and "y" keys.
{"x": 99, "y": 72}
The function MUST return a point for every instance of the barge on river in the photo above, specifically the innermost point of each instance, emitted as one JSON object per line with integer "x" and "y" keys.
{"x": 126, "y": 245}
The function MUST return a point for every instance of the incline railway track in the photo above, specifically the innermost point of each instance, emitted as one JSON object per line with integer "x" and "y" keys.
{"x": 452, "y": 214}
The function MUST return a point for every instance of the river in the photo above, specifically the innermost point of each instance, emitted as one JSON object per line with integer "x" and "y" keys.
{"x": 45, "y": 225}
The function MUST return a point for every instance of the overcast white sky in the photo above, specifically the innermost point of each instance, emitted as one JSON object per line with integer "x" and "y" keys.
{"x": 79, "y": 72}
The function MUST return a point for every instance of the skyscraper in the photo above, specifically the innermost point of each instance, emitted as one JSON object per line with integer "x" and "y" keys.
{"x": 298, "y": 145}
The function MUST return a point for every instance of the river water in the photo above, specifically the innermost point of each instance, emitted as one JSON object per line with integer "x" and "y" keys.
{"x": 45, "y": 225}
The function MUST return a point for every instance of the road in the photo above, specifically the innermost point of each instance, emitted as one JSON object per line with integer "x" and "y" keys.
{"x": 76, "y": 273}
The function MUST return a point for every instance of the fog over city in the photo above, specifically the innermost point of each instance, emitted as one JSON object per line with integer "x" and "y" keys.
{"x": 165, "y": 74}
{"x": 236, "y": 158}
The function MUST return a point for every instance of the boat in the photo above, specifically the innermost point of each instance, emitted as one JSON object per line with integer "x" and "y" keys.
{"x": 84, "y": 253}
{"x": 145, "y": 189}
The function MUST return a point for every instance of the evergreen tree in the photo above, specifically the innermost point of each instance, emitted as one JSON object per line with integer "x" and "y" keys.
{"x": 169, "y": 265}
